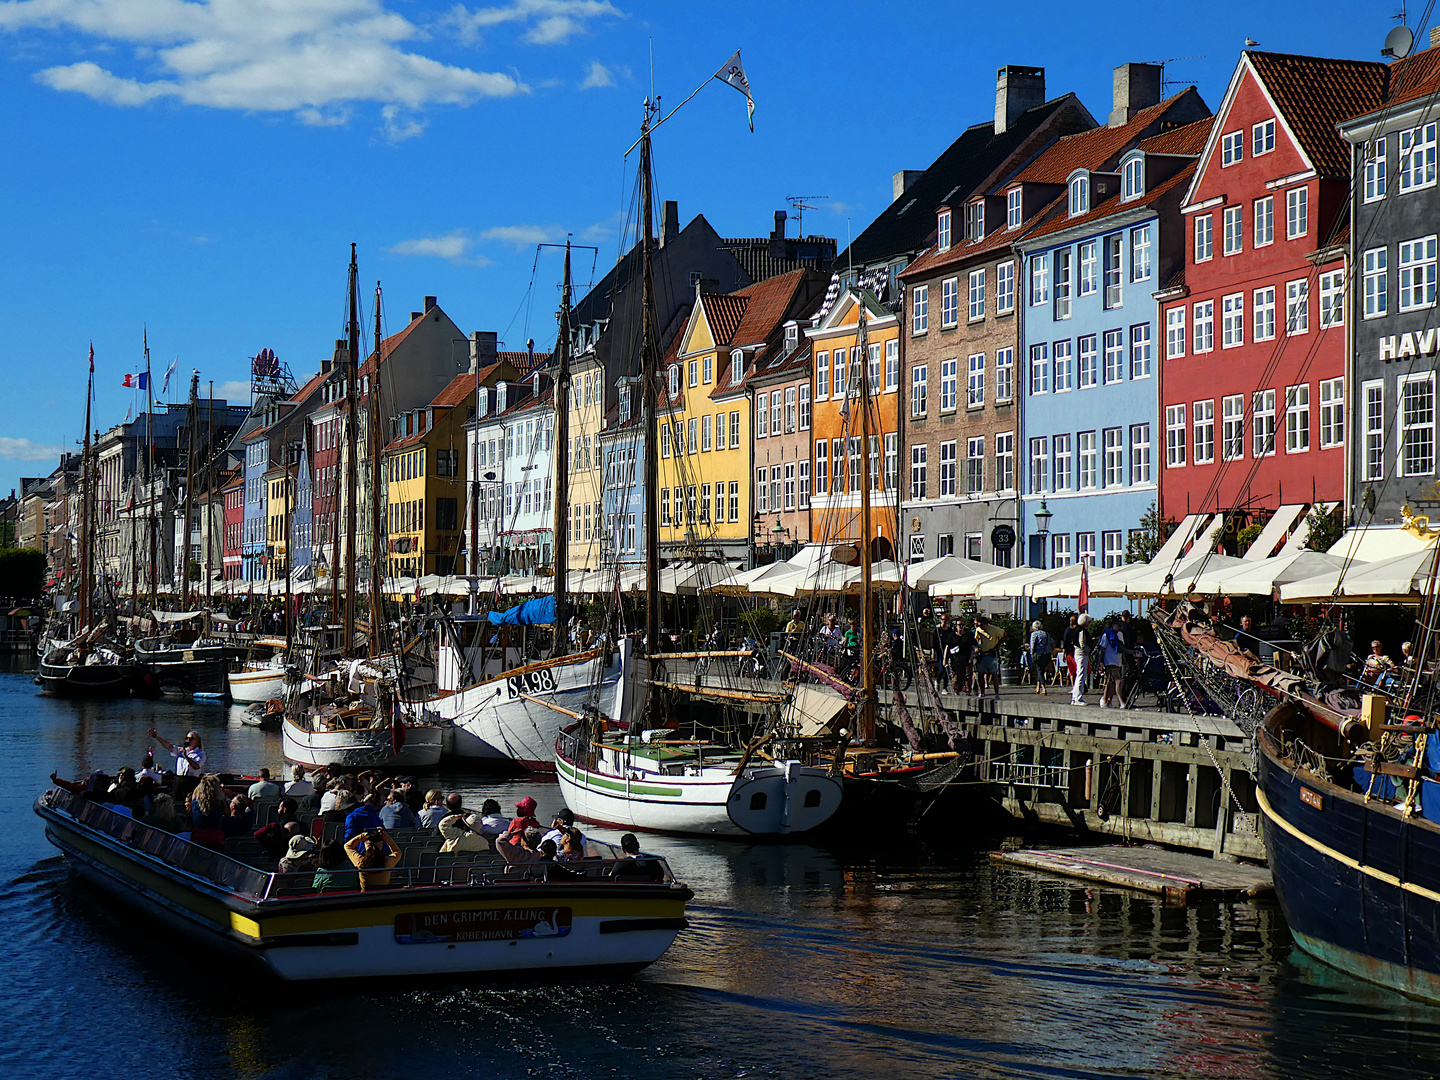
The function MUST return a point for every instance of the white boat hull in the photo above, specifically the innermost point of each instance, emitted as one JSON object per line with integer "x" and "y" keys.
{"x": 764, "y": 800}
{"x": 257, "y": 684}
{"x": 362, "y": 748}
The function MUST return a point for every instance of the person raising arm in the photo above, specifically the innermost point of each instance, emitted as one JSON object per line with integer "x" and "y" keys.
{"x": 189, "y": 755}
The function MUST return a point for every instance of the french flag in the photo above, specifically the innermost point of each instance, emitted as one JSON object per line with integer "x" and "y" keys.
{"x": 141, "y": 381}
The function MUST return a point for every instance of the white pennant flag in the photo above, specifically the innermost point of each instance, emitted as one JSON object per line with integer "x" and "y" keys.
{"x": 734, "y": 73}
{"x": 168, "y": 372}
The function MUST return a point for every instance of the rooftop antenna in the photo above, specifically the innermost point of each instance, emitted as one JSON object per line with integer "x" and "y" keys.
{"x": 1166, "y": 83}
{"x": 799, "y": 204}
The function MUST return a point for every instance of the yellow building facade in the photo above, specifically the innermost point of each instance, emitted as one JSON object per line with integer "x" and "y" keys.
{"x": 587, "y": 408}
{"x": 280, "y": 500}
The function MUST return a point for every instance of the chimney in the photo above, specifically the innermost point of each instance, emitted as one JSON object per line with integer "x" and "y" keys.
{"x": 778, "y": 233}
{"x": 415, "y": 315}
{"x": 901, "y": 181}
{"x": 1016, "y": 89}
{"x": 482, "y": 349}
{"x": 341, "y": 356}
{"x": 670, "y": 225}
{"x": 1434, "y": 36}
{"x": 1136, "y": 87}
{"x": 530, "y": 352}
{"x": 429, "y": 304}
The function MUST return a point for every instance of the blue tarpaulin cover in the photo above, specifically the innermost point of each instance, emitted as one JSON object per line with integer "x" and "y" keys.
{"x": 537, "y": 612}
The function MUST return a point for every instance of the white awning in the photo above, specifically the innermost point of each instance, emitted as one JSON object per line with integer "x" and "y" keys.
{"x": 1377, "y": 542}
{"x": 1301, "y": 533}
{"x": 1399, "y": 579}
{"x": 1261, "y": 576}
{"x": 1282, "y": 522}
{"x": 1179, "y": 540}
{"x": 1177, "y": 579}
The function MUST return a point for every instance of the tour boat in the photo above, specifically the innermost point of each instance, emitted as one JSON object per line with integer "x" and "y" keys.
{"x": 467, "y": 914}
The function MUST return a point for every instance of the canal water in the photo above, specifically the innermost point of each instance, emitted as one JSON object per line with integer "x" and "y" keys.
{"x": 847, "y": 960}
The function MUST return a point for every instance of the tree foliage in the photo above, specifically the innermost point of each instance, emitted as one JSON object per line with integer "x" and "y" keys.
{"x": 1145, "y": 541}
{"x": 1325, "y": 530}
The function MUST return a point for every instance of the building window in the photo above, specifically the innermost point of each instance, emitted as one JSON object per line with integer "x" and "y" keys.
{"x": 1080, "y": 195}
{"x": 694, "y": 369}
{"x": 942, "y": 229}
{"x": 1204, "y": 238}
{"x": 892, "y": 368}
{"x": 1376, "y": 287}
{"x": 949, "y": 302}
{"x": 822, "y": 376}
{"x": 1089, "y": 268}
{"x": 804, "y": 411}
{"x": 853, "y": 452}
{"x": 705, "y": 504}
{"x": 1232, "y": 433}
{"x": 1264, "y": 313}
{"x": 918, "y": 390}
{"x": 1039, "y": 466}
{"x": 1004, "y": 374}
{"x": 1089, "y": 460}
{"x": 1039, "y": 369}
{"x": 1332, "y": 295}
{"x": 1133, "y": 179}
{"x": 977, "y": 295}
{"x": 1262, "y": 137}
{"x": 892, "y": 460}
{"x": 1089, "y": 369}
{"x": 1061, "y": 446}
{"x": 948, "y": 466}
{"x": 975, "y": 384}
{"x": 1232, "y": 148}
{"x": 1140, "y": 247}
{"x": 1140, "y": 352}
{"x": 1062, "y": 282}
{"x": 1175, "y": 435}
{"x": 975, "y": 220}
{"x": 1416, "y": 453}
{"x": 1039, "y": 281}
{"x": 804, "y": 468}
{"x": 691, "y": 428}
{"x": 1113, "y": 549}
{"x": 1064, "y": 352}
{"x": 919, "y": 471}
{"x": 1175, "y": 333}
{"x": 1297, "y": 213}
{"x": 919, "y": 310}
{"x": 777, "y": 413}
{"x": 944, "y": 544}
{"x": 1297, "y": 419}
{"x": 674, "y": 380}
{"x": 707, "y": 372}
{"x": 1012, "y": 208}
{"x": 1262, "y": 431}
{"x": 789, "y": 486}
{"x": 1233, "y": 223}
{"x": 1232, "y": 321}
{"x": 762, "y": 490}
{"x": 1085, "y": 547}
{"x": 1265, "y": 220}
{"x": 1114, "y": 370}
{"x": 917, "y": 547}
{"x": 664, "y": 506}
{"x": 1114, "y": 294}
{"x": 705, "y": 433}
{"x": 1204, "y": 420}
{"x": 1005, "y": 461}
{"x": 1004, "y": 288}
{"x": 1332, "y": 413}
{"x": 1114, "y": 443}
{"x": 1417, "y": 274}
{"x": 1417, "y": 158}
{"x": 1375, "y": 170}
{"x": 822, "y": 466}
{"x": 1373, "y": 419}
{"x": 1297, "y": 306}
{"x": 949, "y": 382}
{"x": 1060, "y": 549}
{"x": 762, "y": 416}
{"x": 974, "y": 466}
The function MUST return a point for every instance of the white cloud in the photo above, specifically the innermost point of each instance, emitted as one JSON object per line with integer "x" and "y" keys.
{"x": 598, "y": 76}
{"x": 603, "y": 230}
{"x": 456, "y": 246}
{"x": 523, "y": 236}
{"x": 317, "y": 118}
{"x": 397, "y": 128}
{"x": 234, "y": 391}
{"x": 552, "y": 22}
{"x": 310, "y": 57}
{"x": 12, "y": 449}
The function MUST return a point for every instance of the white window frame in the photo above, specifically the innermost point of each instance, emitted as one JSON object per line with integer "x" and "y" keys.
{"x": 1112, "y": 368}
{"x": 1202, "y": 426}
{"x": 1297, "y": 419}
{"x": 1039, "y": 482}
{"x": 1064, "y": 460}
{"x": 1204, "y": 237}
{"x": 1262, "y": 423}
{"x": 1262, "y": 314}
{"x": 949, "y": 384}
{"x": 1005, "y": 461}
{"x": 1039, "y": 369}
{"x": 1232, "y": 320}
{"x": 1176, "y": 435}
{"x": 1079, "y": 194}
{"x": 1297, "y": 307}
{"x": 1132, "y": 180}
{"x": 1417, "y": 262}
{"x": 1175, "y": 340}
{"x": 1087, "y": 454}
{"x": 1113, "y": 461}
{"x": 976, "y": 295}
{"x": 1141, "y": 246}
{"x": 975, "y": 465}
{"x": 1089, "y": 268}
{"x": 1005, "y": 288}
{"x": 1142, "y": 350}
{"x": 1262, "y": 137}
{"x": 1372, "y": 423}
{"x": 1088, "y": 362}
{"x": 1233, "y": 239}
{"x": 920, "y": 309}
{"x": 1332, "y": 299}
{"x": 1297, "y": 213}
{"x": 919, "y": 390}
{"x": 1039, "y": 280}
{"x": 1332, "y": 413}
{"x": 1416, "y": 161}
{"x": 948, "y": 470}
{"x": 1375, "y": 170}
{"x": 1375, "y": 289}
{"x": 892, "y": 366}
{"x": 1013, "y": 208}
{"x": 1264, "y": 223}
{"x": 1232, "y": 431}
{"x": 1063, "y": 366}
{"x": 919, "y": 471}
{"x": 949, "y": 303}
{"x": 942, "y": 229}
{"x": 1232, "y": 148}
{"x": 975, "y": 380}
{"x": 1409, "y": 431}
{"x": 1004, "y": 375}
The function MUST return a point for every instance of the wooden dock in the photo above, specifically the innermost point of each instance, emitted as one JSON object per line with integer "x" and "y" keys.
{"x": 1179, "y": 877}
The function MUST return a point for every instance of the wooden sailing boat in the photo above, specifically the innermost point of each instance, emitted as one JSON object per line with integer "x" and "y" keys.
{"x": 608, "y": 773}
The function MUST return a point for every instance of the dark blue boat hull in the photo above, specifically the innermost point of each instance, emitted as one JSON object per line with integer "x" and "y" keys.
{"x": 1359, "y": 882}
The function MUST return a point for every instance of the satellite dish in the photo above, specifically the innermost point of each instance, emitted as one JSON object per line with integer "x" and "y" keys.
{"x": 1398, "y": 43}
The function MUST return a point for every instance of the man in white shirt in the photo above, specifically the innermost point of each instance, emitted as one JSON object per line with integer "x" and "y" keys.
{"x": 264, "y": 788}
{"x": 189, "y": 755}
{"x": 299, "y": 787}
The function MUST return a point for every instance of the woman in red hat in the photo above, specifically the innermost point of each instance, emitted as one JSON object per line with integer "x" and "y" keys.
{"x": 524, "y": 819}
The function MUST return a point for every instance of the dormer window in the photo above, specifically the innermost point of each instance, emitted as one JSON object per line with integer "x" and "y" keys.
{"x": 1012, "y": 208}
{"x": 792, "y": 337}
{"x": 1079, "y": 194}
{"x": 942, "y": 229}
{"x": 737, "y": 365}
{"x": 975, "y": 220}
{"x": 674, "y": 376}
{"x": 484, "y": 401}
{"x": 624, "y": 402}
{"x": 500, "y": 392}
{"x": 1132, "y": 181}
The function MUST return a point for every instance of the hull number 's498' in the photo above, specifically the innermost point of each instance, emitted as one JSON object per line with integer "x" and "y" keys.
{"x": 532, "y": 682}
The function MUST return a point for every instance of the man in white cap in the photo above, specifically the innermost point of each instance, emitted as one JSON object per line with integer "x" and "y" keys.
{"x": 1082, "y": 660}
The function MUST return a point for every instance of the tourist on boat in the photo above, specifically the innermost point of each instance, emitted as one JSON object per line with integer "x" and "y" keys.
{"x": 333, "y": 790}
{"x": 264, "y": 788}
{"x": 1081, "y": 655}
{"x": 525, "y": 848}
{"x": 492, "y": 824}
{"x": 396, "y": 813}
{"x": 1042, "y": 655}
{"x": 572, "y": 846}
{"x": 458, "y": 835}
{"x": 987, "y": 654}
{"x": 240, "y": 820}
{"x": 364, "y": 817}
{"x": 331, "y": 875}
{"x": 524, "y": 818}
{"x": 629, "y": 846}
{"x": 189, "y": 755}
{"x": 299, "y": 787}
{"x": 548, "y": 851}
{"x": 207, "y": 813}
{"x": 96, "y": 788}
{"x": 162, "y": 814}
{"x": 564, "y": 819}
{"x": 147, "y": 767}
{"x": 434, "y": 811}
{"x": 373, "y": 853}
{"x": 301, "y": 857}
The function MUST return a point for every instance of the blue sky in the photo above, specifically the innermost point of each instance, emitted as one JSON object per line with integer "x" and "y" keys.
{"x": 200, "y": 167}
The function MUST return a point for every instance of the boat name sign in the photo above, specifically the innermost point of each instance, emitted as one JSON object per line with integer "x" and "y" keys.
{"x": 1312, "y": 798}
{"x": 532, "y": 682}
{"x": 490, "y": 924}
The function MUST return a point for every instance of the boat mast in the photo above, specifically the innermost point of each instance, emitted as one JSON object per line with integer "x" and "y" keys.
{"x": 210, "y": 492}
{"x": 560, "y": 642}
{"x": 289, "y": 563}
{"x": 351, "y": 448}
{"x": 189, "y": 487}
{"x": 85, "y": 503}
{"x": 152, "y": 522}
{"x": 866, "y": 724}
{"x": 650, "y": 380}
{"x": 377, "y": 597}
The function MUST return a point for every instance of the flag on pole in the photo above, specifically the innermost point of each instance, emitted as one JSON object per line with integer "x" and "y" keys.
{"x": 139, "y": 382}
{"x": 734, "y": 73}
{"x": 165, "y": 386}
{"x": 92, "y": 358}
{"x": 1083, "y": 604}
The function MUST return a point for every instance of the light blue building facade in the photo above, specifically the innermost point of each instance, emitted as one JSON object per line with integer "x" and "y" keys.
{"x": 1090, "y": 339}
{"x": 623, "y": 444}
{"x": 253, "y": 544}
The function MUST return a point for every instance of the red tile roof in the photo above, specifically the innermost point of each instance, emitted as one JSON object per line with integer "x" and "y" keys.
{"x": 723, "y": 312}
{"x": 1417, "y": 76}
{"x": 770, "y": 304}
{"x": 934, "y": 261}
{"x": 1188, "y": 139}
{"x": 1314, "y": 94}
{"x": 310, "y": 387}
{"x": 389, "y": 345}
{"x": 1112, "y": 205}
{"x": 1094, "y": 148}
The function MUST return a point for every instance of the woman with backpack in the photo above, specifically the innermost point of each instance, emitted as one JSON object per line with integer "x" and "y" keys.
{"x": 1042, "y": 655}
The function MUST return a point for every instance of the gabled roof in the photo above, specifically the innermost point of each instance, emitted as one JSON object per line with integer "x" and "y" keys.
{"x": 1313, "y": 94}
{"x": 969, "y": 162}
{"x": 770, "y": 304}
{"x": 723, "y": 314}
{"x": 390, "y": 344}
{"x": 1100, "y": 147}
{"x": 1188, "y": 140}
{"x": 1111, "y": 206}
{"x": 1416, "y": 76}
